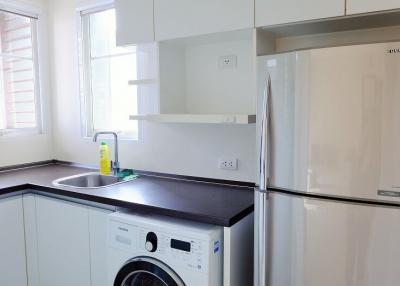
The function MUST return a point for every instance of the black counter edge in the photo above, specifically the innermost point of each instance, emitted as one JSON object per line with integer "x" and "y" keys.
{"x": 225, "y": 222}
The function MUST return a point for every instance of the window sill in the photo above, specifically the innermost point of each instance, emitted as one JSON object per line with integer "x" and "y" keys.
{"x": 10, "y": 133}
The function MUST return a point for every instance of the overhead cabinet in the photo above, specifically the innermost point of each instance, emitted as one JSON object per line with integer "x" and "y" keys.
{"x": 182, "y": 18}
{"x": 274, "y": 12}
{"x": 135, "y": 21}
{"x": 144, "y": 21}
{"x": 365, "y": 6}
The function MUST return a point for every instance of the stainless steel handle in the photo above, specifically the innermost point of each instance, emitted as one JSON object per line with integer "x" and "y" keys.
{"x": 261, "y": 202}
{"x": 261, "y": 238}
{"x": 264, "y": 135}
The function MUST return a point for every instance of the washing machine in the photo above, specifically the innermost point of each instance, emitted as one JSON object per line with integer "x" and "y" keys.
{"x": 151, "y": 250}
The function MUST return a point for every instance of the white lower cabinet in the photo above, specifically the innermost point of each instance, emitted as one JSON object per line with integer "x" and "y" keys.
{"x": 12, "y": 243}
{"x": 52, "y": 242}
{"x": 72, "y": 243}
{"x": 63, "y": 243}
{"x": 31, "y": 246}
{"x": 98, "y": 245}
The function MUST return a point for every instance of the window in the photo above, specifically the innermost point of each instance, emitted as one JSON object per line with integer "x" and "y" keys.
{"x": 107, "y": 98}
{"x": 19, "y": 96}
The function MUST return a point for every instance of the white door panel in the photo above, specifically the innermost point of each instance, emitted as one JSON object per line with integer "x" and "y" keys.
{"x": 182, "y": 18}
{"x": 12, "y": 243}
{"x": 365, "y": 6}
{"x": 63, "y": 242}
{"x": 31, "y": 243}
{"x": 98, "y": 221}
{"x": 273, "y": 12}
{"x": 135, "y": 22}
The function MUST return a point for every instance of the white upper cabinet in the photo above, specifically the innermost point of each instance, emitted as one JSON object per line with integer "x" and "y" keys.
{"x": 182, "y": 18}
{"x": 273, "y": 12}
{"x": 364, "y": 6}
{"x": 135, "y": 21}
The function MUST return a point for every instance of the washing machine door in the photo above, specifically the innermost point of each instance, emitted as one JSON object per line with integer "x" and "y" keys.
{"x": 147, "y": 271}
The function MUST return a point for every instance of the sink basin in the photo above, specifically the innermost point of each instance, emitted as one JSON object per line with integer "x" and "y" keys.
{"x": 88, "y": 180}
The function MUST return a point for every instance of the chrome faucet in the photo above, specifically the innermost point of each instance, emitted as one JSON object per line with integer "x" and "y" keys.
{"x": 114, "y": 164}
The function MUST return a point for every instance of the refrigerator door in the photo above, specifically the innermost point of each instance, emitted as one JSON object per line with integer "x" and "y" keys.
{"x": 320, "y": 242}
{"x": 335, "y": 120}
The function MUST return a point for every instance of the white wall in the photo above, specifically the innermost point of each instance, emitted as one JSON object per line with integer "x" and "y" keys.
{"x": 170, "y": 148}
{"x": 31, "y": 148}
{"x": 210, "y": 89}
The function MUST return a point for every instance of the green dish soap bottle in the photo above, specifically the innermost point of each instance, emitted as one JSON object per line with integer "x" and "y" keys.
{"x": 104, "y": 159}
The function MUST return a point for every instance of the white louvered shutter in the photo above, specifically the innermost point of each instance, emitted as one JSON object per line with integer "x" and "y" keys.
{"x": 18, "y": 102}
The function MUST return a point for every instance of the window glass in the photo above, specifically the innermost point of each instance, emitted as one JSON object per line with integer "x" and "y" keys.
{"x": 109, "y": 99}
{"x": 18, "y": 93}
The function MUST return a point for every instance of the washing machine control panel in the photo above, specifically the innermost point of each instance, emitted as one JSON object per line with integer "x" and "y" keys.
{"x": 192, "y": 253}
{"x": 182, "y": 249}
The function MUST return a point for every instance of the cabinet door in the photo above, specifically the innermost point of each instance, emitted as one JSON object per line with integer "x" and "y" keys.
{"x": 29, "y": 205}
{"x": 98, "y": 219}
{"x": 135, "y": 21}
{"x": 63, "y": 243}
{"x": 364, "y": 6}
{"x": 12, "y": 243}
{"x": 272, "y": 12}
{"x": 181, "y": 18}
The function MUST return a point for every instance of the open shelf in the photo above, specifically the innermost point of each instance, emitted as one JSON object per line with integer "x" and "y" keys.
{"x": 198, "y": 118}
{"x": 142, "y": 81}
{"x": 190, "y": 82}
{"x": 331, "y": 32}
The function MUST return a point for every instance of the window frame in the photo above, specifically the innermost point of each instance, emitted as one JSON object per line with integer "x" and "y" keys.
{"x": 39, "y": 128}
{"x": 85, "y": 84}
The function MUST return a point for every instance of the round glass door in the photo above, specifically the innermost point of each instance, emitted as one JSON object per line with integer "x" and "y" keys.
{"x": 143, "y": 279}
{"x": 146, "y": 271}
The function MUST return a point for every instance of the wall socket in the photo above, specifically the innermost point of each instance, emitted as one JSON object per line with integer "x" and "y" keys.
{"x": 227, "y": 62}
{"x": 228, "y": 163}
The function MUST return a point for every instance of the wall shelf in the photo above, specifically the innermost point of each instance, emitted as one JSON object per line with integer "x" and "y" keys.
{"x": 198, "y": 118}
{"x": 142, "y": 81}
{"x": 189, "y": 84}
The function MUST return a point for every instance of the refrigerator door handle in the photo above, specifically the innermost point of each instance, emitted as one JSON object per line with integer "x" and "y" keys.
{"x": 264, "y": 135}
{"x": 261, "y": 238}
{"x": 261, "y": 207}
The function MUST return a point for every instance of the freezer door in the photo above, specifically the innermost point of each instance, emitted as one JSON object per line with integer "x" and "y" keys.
{"x": 335, "y": 120}
{"x": 328, "y": 243}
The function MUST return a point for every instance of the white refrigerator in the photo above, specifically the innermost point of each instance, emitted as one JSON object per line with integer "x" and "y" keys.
{"x": 327, "y": 208}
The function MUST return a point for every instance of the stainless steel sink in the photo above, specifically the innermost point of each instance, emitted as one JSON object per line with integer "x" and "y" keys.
{"x": 88, "y": 180}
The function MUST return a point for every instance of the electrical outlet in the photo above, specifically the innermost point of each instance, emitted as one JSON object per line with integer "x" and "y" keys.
{"x": 227, "y": 62}
{"x": 228, "y": 163}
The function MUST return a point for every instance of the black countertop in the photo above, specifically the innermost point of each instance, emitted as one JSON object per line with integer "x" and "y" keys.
{"x": 198, "y": 201}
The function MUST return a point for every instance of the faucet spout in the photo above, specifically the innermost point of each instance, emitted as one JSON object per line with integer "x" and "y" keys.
{"x": 114, "y": 164}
